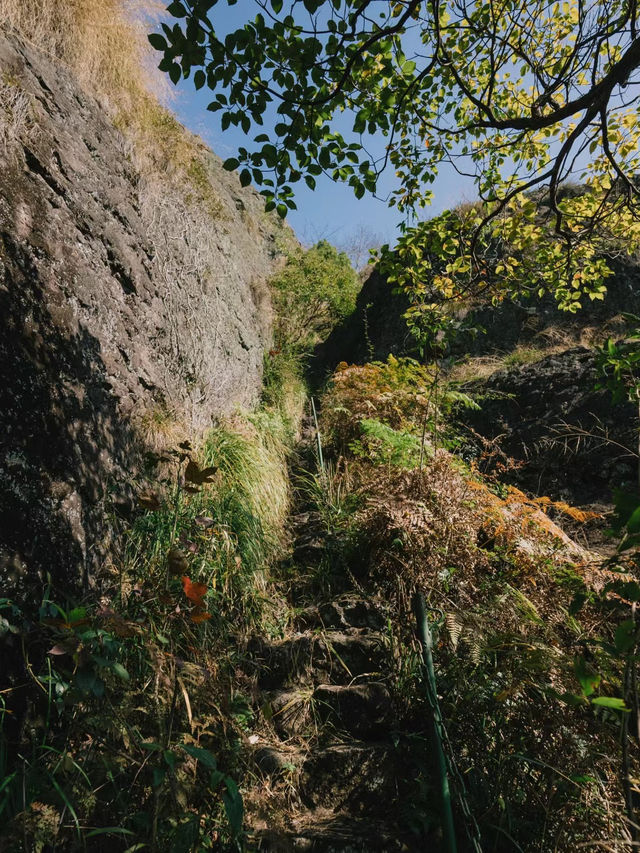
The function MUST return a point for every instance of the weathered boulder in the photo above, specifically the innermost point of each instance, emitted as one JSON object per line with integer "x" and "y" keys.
{"x": 348, "y": 611}
{"x": 125, "y": 298}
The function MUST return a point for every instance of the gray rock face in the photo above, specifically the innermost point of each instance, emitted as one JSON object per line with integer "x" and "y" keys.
{"x": 568, "y": 439}
{"x": 122, "y": 294}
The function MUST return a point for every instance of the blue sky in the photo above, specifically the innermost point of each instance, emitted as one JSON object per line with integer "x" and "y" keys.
{"x": 332, "y": 211}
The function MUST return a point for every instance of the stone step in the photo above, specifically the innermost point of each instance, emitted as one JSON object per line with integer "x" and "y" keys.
{"x": 348, "y": 611}
{"x": 306, "y": 522}
{"x": 360, "y": 710}
{"x": 353, "y": 797}
{"x": 309, "y": 549}
{"x": 357, "y": 778}
{"x": 272, "y": 760}
{"x": 319, "y": 833}
{"x": 327, "y": 657}
{"x": 291, "y": 712}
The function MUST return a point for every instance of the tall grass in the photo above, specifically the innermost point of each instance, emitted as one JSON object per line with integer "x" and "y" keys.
{"x": 102, "y": 41}
{"x": 251, "y": 462}
{"x": 284, "y": 390}
{"x": 230, "y": 532}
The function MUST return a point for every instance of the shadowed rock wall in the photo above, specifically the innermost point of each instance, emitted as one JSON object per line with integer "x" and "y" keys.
{"x": 121, "y": 293}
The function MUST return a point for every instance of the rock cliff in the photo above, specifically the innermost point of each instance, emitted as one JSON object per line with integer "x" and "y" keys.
{"x": 126, "y": 299}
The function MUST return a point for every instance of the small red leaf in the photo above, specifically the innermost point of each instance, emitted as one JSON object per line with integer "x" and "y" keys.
{"x": 194, "y": 591}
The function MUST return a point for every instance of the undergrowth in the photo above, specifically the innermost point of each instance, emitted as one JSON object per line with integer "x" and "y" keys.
{"x": 524, "y": 617}
{"x": 129, "y": 729}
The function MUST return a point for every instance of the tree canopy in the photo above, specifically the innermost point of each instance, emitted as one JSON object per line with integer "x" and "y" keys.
{"x": 521, "y": 96}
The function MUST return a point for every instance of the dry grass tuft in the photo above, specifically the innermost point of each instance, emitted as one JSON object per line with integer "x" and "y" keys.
{"x": 160, "y": 427}
{"x": 102, "y": 41}
{"x": 15, "y": 112}
{"x": 552, "y": 340}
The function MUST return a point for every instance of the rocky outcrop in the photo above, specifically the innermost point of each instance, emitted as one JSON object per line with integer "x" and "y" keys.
{"x": 377, "y": 327}
{"x": 566, "y": 438}
{"x": 125, "y": 298}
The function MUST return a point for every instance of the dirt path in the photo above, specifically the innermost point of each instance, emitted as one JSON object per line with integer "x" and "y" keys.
{"x": 337, "y": 770}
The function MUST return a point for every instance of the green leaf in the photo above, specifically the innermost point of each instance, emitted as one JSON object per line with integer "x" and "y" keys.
{"x": 633, "y": 523}
{"x": 588, "y": 680}
{"x": 233, "y": 806}
{"x": 109, "y": 830}
{"x": 202, "y": 755}
{"x": 158, "y": 776}
{"x": 215, "y": 778}
{"x": 177, "y": 9}
{"x": 231, "y": 164}
{"x": 625, "y": 636}
{"x": 158, "y": 42}
{"x": 77, "y": 614}
{"x": 610, "y": 702}
{"x": 245, "y": 178}
{"x": 120, "y": 671}
{"x": 199, "y": 78}
{"x": 572, "y": 699}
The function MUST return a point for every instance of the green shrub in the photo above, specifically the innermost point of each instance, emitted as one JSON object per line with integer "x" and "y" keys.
{"x": 381, "y": 444}
{"x": 315, "y": 290}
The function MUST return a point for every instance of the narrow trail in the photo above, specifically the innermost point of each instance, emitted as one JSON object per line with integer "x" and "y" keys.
{"x": 333, "y": 753}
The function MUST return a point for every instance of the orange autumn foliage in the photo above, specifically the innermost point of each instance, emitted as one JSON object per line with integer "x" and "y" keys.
{"x": 194, "y": 591}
